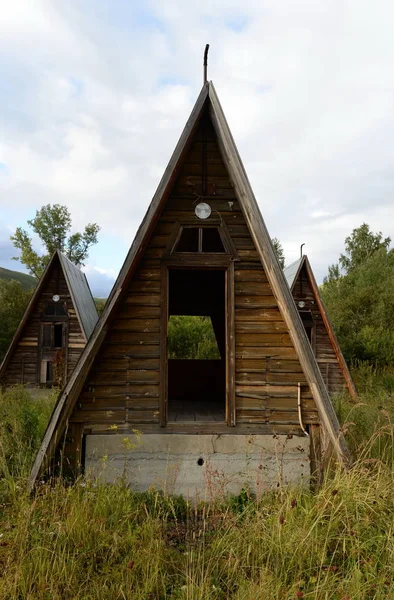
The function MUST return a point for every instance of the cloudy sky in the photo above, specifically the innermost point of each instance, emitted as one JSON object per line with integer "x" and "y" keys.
{"x": 94, "y": 95}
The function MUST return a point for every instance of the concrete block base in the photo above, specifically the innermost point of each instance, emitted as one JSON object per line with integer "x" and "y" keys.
{"x": 199, "y": 467}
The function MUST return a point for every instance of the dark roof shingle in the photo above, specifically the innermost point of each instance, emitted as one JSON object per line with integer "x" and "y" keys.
{"x": 81, "y": 295}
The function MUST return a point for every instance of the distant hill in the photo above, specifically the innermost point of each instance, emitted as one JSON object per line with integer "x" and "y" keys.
{"x": 27, "y": 281}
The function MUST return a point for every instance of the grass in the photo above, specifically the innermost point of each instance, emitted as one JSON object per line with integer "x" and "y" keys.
{"x": 369, "y": 422}
{"x": 94, "y": 541}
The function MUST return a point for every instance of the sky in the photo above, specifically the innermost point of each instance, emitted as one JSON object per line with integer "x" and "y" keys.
{"x": 94, "y": 95}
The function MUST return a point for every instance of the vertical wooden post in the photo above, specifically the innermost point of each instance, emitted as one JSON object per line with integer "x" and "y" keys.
{"x": 230, "y": 343}
{"x": 313, "y": 338}
{"x": 163, "y": 366}
{"x": 316, "y": 456}
{"x": 65, "y": 346}
{"x": 73, "y": 465}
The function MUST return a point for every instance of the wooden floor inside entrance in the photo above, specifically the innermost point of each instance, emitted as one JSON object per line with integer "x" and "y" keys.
{"x": 180, "y": 412}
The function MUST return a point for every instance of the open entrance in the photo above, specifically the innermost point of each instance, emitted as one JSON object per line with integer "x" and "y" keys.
{"x": 53, "y": 342}
{"x": 196, "y": 345}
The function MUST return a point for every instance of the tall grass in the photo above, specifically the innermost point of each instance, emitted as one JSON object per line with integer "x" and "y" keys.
{"x": 23, "y": 419}
{"x": 94, "y": 541}
{"x": 369, "y": 422}
{"x": 104, "y": 542}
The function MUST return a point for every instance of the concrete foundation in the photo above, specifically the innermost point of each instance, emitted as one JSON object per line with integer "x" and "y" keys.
{"x": 199, "y": 467}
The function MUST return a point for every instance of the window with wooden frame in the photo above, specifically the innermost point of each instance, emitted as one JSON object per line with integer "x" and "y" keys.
{"x": 200, "y": 240}
{"x": 53, "y": 335}
{"x": 208, "y": 239}
{"x": 55, "y": 309}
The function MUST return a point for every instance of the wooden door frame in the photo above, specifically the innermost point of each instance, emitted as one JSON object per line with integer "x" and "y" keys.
{"x": 228, "y": 268}
{"x": 65, "y": 333}
{"x": 313, "y": 326}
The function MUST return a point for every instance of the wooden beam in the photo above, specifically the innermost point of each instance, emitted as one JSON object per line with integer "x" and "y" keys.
{"x": 163, "y": 373}
{"x": 316, "y": 456}
{"x": 230, "y": 342}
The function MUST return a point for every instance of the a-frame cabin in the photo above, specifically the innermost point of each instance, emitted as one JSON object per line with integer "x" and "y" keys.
{"x": 54, "y": 330}
{"x": 242, "y": 421}
{"x": 318, "y": 327}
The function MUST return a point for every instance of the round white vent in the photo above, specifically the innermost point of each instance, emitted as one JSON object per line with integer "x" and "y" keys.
{"x": 203, "y": 210}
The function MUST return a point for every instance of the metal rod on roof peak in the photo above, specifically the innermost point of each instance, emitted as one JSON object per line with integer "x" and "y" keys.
{"x": 205, "y": 63}
{"x": 301, "y": 249}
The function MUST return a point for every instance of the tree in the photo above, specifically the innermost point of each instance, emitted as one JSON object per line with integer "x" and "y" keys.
{"x": 334, "y": 273}
{"x": 191, "y": 337}
{"x": 13, "y": 302}
{"x": 278, "y": 249}
{"x": 52, "y": 224}
{"x": 361, "y": 300}
{"x": 360, "y": 246}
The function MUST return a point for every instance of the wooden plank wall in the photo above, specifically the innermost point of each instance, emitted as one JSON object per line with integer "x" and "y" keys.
{"x": 122, "y": 387}
{"x": 325, "y": 353}
{"x": 23, "y": 366}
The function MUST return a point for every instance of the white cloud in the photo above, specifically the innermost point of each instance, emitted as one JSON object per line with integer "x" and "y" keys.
{"x": 95, "y": 97}
{"x": 100, "y": 280}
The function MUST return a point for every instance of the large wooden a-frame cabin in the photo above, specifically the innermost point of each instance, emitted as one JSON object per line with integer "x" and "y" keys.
{"x": 259, "y": 414}
{"x": 54, "y": 330}
{"x": 318, "y": 327}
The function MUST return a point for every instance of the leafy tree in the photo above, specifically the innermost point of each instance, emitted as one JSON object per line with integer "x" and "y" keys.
{"x": 52, "y": 224}
{"x": 360, "y": 246}
{"x": 278, "y": 249}
{"x": 191, "y": 337}
{"x": 361, "y": 301}
{"x": 13, "y": 302}
{"x": 334, "y": 273}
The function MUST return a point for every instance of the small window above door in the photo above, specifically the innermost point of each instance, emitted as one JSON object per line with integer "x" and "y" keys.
{"x": 55, "y": 310}
{"x": 200, "y": 240}
{"x": 189, "y": 240}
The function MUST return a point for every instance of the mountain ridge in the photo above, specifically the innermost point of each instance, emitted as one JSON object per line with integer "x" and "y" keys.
{"x": 27, "y": 281}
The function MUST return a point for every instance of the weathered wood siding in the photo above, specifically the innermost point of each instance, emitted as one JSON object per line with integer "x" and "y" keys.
{"x": 123, "y": 385}
{"x": 23, "y": 366}
{"x": 324, "y": 349}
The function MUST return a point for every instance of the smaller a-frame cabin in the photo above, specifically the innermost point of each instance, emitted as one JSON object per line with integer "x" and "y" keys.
{"x": 257, "y": 415}
{"x": 54, "y": 330}
{"x": 318, "y": 327}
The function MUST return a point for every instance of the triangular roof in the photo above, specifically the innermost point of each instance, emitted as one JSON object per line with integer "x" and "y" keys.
{"x": 81, "y": 296}
{"x": 291, "y": 273}
{"x": 207, "y": 100}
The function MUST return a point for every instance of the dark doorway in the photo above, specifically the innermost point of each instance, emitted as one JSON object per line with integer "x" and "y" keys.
{"x": 197, "y": 383}
{"x": 309, "y": 326}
